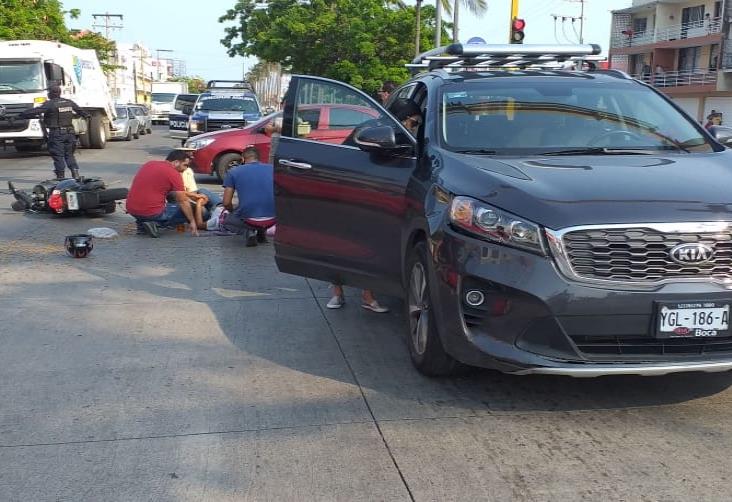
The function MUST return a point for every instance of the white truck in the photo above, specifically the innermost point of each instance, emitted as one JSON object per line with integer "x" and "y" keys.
{"x": 28, "y": 68}
{"x": 163, "y": 96}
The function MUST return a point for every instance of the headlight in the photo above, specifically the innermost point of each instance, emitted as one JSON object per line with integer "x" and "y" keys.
{"x": 196, "y": 126}
{"x": 199, "y": 143}
{"x": 495, "y": 225}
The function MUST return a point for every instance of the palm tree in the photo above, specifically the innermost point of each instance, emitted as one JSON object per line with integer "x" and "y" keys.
{"x": 477, "y": 7}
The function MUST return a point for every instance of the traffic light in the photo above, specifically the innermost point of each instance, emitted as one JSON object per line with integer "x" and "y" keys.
{"x": 517, "y": 30}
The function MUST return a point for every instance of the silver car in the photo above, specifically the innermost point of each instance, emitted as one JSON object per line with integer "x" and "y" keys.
{"x": 126, "y": 125}
{"x": 144, "y": 117}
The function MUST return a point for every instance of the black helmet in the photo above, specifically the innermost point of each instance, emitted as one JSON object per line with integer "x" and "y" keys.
{"x": 80, "y": 245}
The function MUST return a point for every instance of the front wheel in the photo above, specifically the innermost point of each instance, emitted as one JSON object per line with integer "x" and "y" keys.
{"x": 423, "y": 339}
{"x": 226, "y": 162}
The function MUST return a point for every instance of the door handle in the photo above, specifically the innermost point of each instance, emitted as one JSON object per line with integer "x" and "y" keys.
{"x": 296, "y": 165}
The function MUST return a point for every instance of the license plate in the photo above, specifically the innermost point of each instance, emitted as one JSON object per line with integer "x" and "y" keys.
{"x": 72, "y": 201}
{"x": 692, "y": 320}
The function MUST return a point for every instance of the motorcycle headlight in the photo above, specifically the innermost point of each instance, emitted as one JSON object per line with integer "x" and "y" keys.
{"x": 199, "y": 143}
{"x": 496, "y": 225}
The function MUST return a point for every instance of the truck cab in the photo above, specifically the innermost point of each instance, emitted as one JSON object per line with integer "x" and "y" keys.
{"x": 28, "y": 68}
{"x": 224, "y": 105}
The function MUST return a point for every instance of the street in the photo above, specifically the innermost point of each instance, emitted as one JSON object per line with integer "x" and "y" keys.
{"x": 190, "y": 369}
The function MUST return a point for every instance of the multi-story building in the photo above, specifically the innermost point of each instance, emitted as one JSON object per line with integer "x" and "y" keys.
{"x": 680, "y": 46}
{"x": 132, "y": 81}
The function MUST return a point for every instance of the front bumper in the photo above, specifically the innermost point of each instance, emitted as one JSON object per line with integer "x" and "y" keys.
{"x": 118, "y": 133}
{"x": 31, "y": 131}
{"x": 161, "y": 116}
{"x": 534, "y": 320}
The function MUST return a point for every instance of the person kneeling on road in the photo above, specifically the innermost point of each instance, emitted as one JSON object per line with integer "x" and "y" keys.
{"x": 253, "y": 182}
{"x": 146, "y": 200}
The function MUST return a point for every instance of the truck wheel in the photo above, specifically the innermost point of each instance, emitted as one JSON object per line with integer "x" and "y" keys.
{"x": 85, "y": 139}
{"x": 226, "y": 162}
{"x": 97, "y": 131}
{"x": 425, "y": 346}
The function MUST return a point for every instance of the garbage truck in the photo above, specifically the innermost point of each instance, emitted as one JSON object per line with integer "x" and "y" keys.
{"x": 28, "y": 68}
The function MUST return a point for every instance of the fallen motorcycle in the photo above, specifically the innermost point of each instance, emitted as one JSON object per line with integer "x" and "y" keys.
{"x": 88, "y": 196}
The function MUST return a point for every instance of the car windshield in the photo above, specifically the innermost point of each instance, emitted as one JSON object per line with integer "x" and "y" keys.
{"x": 535, "y": 115}
{"x": 163, "y": 97}
{"x": 213, "y": 104}
{"x": 121, "y": 112}
{"x": 20, "y": 76}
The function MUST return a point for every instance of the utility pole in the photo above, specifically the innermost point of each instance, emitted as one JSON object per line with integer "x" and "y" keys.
{"x": 581, "y": 18}
{"x": 107, "y": 25}
{"x": 514, "y": 15}
{"x": 438, "y": 23}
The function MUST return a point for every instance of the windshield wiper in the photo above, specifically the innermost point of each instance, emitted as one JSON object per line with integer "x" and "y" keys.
{"x": 600, "y": 151}
{"x": 477, "y": 151}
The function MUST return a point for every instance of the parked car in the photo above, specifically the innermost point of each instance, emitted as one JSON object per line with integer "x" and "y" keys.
{"x": 144, "y": 118}
{"x": 179, "y": 116}
{"x": 217, "y": 152}
{"x": 126, "y": 126}
{"x": 541, "y": 221}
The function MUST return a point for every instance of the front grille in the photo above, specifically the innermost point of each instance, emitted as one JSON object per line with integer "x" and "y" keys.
{"x": 216, "y": 125}
{"x": 613, "y": 346}
{"x": 10, "y": 120}
{"x": 643, "y": 254}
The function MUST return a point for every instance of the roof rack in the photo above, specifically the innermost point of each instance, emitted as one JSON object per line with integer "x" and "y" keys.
{"x": 504, "y": 56}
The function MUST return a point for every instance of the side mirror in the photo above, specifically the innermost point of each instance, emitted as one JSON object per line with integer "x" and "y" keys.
{"x": 54, "y": 73}
{"x": 722, "y": 134}
{"x": 187, "y": 109}
{"x": 378, "y": 139}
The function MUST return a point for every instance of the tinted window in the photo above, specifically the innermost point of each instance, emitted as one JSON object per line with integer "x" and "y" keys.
{"x": 121, "y": 112}
{"x": 345, "y": 118}
{"x": 216, "y": 104}
{"x": 185, "y": 100}
{"x": 535, "y": 115}
{"x": 348, "y": 110}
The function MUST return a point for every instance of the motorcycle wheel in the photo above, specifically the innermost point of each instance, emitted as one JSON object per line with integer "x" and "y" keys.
{"x": 95, "y": 213}
{"x": 112, "y": 194}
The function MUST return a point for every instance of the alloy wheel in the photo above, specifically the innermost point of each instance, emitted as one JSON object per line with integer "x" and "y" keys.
{"x": 419, "y": 307}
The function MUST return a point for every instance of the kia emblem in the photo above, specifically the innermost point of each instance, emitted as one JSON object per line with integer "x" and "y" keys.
{"x": 692, "y": 254}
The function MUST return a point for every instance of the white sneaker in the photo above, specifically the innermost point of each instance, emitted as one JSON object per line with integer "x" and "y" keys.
{"x": 375, "y": 307}
{"x": 336, "y": 302}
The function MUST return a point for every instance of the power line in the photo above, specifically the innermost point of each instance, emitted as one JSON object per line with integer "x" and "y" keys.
{"x": 107, "y": 25}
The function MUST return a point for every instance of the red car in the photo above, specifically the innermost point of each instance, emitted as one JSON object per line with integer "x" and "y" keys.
{"x": 217, "y": 152}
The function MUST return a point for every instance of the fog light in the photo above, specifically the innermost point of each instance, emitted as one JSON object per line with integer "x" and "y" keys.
{"x": 474, "y": 298}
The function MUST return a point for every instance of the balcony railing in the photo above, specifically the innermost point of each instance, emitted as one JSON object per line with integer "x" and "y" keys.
{"x": 680, "y": 78}
{"x": 693, "y": 29}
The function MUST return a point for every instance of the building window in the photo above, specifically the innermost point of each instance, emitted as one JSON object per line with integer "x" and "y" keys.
{"x": 689, "y": 58}
{"x": 640, "y": 24}
{"x": 714, "y": 57}
{"x": 717, "y": 10}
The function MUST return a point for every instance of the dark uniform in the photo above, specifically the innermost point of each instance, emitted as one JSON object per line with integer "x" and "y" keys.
{"x": 57, "y": 118}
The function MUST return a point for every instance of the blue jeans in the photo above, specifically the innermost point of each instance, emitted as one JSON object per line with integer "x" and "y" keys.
{"x": 213, "y": 199}
{"x": 170, "y": 217}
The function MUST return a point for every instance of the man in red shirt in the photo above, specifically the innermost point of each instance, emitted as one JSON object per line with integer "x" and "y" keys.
{"x": 147, "y": 197}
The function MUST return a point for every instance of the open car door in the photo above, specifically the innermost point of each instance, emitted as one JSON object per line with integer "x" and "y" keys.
{"x": 341, "y": 210}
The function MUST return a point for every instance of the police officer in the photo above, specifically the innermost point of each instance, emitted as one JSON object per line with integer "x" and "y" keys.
{"x": 57, "y": 114}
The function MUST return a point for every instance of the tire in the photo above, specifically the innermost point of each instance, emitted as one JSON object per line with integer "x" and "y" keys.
{"x": 29, "y": 146}
{"x": 128, "y": 136}
{"x": 423, "y": 339}
{"x": 97, "y": 131}
{"x": 226, "y": 162}
{"x": 148, "y": 130}
{"x": 137, "y": 134}
{"x": 112, "y": 194}
{"x": 85, "y": 139}
{"x": 142, "y": 132}
{"x": 18, "y": 205}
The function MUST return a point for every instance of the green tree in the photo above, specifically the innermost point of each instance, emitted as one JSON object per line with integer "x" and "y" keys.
{"x": 33, "y": 20}
{"x": 362, "y": 42}
{"x": 196, "y": 84}
{"x": 44, "y": 20}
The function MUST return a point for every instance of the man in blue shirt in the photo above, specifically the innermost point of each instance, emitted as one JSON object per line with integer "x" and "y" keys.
{"x": 253, "y": 182}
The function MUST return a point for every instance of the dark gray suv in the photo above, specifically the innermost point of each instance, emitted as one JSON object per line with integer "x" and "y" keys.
{"x": 540, "y": 220}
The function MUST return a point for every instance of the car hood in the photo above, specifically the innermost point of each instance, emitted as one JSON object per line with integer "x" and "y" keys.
{"x": 226, "y": 115}
{"x": 239, "y": 131}
{"x": 560, "y": 192}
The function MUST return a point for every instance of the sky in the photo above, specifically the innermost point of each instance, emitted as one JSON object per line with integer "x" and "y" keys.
{"x": 193, "y": 32}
